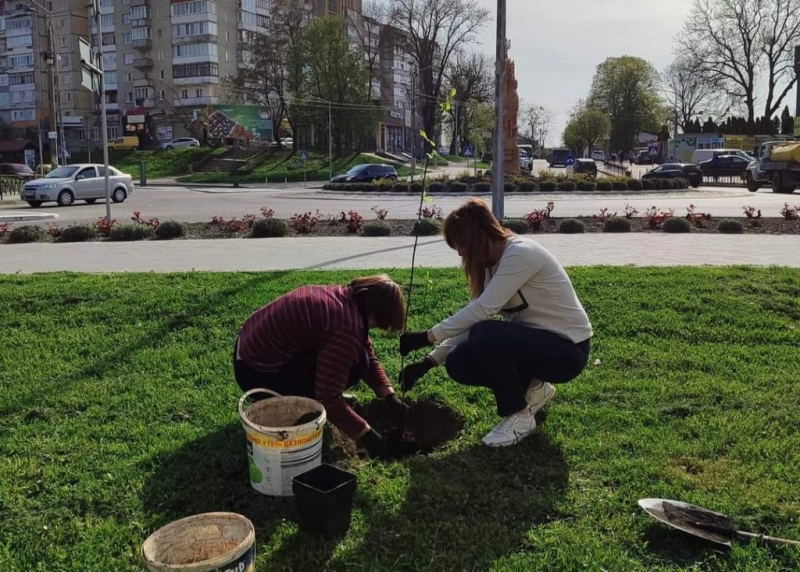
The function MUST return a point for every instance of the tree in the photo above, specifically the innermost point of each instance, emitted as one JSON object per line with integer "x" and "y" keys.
{"x": 534, "y": 123}
{"x": 625, "y": 89}
{"x": 368, "y": 27}
{"x": 690, "y": 93}
{"x": 787, "y": 122}
{"x": 435, "y": 31}
{"x": 731, "y": 41}
{"x": 470, "y": 75}
{"x": 325, "y": 68}
{"x": 264, "y": 78}
{"x": 586, "y": 127}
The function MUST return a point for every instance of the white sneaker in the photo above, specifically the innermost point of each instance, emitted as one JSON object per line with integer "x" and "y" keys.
{"x": 511, "y": 430}
{"x": 538, "y": 397}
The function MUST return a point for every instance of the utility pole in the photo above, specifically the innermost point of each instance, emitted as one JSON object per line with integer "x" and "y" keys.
{"x": 330, "y": 142}
{"x": 413, "y": 122}
{"x": 797, "y": 103}
{"x": 498, "y": 167}
{"x": 54, "y": 127}
{"x": 103, "y": 115}
{"x": 55, "y": 81}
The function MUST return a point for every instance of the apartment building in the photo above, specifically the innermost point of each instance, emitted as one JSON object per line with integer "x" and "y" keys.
{"x": 336, "y": 7}
{"x": 40, "y": 94}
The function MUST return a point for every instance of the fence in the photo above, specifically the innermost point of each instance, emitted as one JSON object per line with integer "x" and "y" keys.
{"x": 10, "y": 186}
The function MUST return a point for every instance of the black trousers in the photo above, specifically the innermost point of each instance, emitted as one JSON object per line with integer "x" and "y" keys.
{"x": 506, "y": 357}
{"x": 296, "y": 377}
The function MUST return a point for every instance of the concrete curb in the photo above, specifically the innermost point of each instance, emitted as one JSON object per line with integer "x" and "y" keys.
{"x": 28, "y": 217}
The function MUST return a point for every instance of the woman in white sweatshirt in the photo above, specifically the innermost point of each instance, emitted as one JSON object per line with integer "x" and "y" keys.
{"x": 544, "y": 339}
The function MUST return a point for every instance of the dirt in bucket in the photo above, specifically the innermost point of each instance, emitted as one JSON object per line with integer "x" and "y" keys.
{"x": 307, "y": 418}
{"x": 429, "y": 425}
{"x": 202, "y": 552}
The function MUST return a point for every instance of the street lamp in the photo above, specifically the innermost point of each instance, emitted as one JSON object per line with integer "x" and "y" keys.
{"x": 498, "y": 168}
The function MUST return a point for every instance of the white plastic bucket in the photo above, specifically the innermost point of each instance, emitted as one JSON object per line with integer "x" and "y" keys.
{"x": 277, "y": 449}
{"x": 211, "y": 542}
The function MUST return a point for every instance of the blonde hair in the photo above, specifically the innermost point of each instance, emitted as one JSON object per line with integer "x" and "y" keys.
{"x": 474, "y": 229}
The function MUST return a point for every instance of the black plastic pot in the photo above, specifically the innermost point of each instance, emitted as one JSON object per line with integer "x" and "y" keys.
{"x": 324, "y": 497}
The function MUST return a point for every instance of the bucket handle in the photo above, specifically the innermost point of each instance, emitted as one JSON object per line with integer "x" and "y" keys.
{"x": 247, "y": 395}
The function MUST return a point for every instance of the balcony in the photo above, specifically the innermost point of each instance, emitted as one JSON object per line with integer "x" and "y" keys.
{"x": 144, "y": 82}
{"x": 196, "y": 80}
{"x": 143, "y": 45}
{"x": 189, "y": 101}
{"x": 199, "y": 39}
{"x": 143, "y": 63}
{"x": 141, "y": 3}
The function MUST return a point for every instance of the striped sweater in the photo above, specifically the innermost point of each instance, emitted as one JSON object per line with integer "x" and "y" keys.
{"x": 324, "y": 320}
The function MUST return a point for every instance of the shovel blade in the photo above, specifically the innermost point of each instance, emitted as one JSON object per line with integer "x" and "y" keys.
{"x": 655, "y": 508}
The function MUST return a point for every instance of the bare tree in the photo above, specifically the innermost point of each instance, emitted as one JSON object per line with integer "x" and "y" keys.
{"x": 534, "y": 123}
{"x": 435, "y": 31}
{"x": 689, "y": 94}
{"x": 471, "y": 76}
{"x": 781, "y": 34}
{"x": 368, "y": 28}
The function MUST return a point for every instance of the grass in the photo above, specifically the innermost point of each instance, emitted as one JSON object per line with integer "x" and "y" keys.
{"x": 287, "y": 166}
{"x": 159, "y": 163}
{"x": 117, "y": 415}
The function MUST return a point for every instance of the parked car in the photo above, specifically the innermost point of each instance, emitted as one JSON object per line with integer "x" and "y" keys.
{"x": 585, "y": 167}
{"x": 725, "y": 166}
{"x": 179, "y": 143}
{"x": 70, "y": 183}
{"x": 525, "y": 161}
{"x": 703, "y": 155}
{"x": 17, "y": 170}
{"x": 687, "y": 171}
{"x": 367, "y": 174}
{"x": 127, "y": 143}
{"x": 599, "y": 155}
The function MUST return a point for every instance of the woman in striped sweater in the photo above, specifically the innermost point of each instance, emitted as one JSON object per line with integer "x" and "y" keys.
{"x": 314, "y": 342}
{"x": 543, "y": 341}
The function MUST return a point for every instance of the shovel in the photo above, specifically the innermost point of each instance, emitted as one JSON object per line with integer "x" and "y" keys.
{"x": 703, "y": 523}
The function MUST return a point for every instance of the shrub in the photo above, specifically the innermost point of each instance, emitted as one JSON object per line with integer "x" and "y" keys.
{"x": 137, "y": 219}
{"x": 510, "y": 188}
{"x": 401, "y": 187}
{"x": 789, "y": 212}
{"x": 352, "y": 221}
{"x": 566, "y": 186}
{"x": 482, "y": 187}
{"x": 657, "y": 184}
{"x": 548, "y": 186}
{"x": 170, "y": 229}
{"x": 267, "y": 212}
{"x": 682, "y": 183}
{"x": 369, "y": 188}
{"x": 584, "y": 185}
{"x": 4, "y": 229}
{"x": 655, "y": 218}
{"x": 630, "y": 211}
{"x": 380, "y": 213}
{"x": 527, "y": 186}
{"x": 458, "y": 187}
{"x": 426, "y": 227}
{"x": 131, "y": 232}
{"x": 385, "y": 186}
{"x": 376, "y": 228}
{"x": 304, "y": 223}
{"x": 103, "y": 227}
{"x": 604, "y": 186}
{"x": 538, "y": 216}
{"x": 27, "y": 233}
{"x": 437, "y": 188}
{"x": 620, "y": 185}
{"x": 697, "y": 218}
{"x": 571, "y": 226}
{"x": 77, "y": 233}
{"x": 617, "y": 224}
{"x": 635, "y": 185}
{"x": 416, "y": 188}
{"x": 269, "y": 228}
{"x": 648, "y": 185}
{"x": 677, "y": 226}
{"x": 728, "y": 226}
{"x": 432, "y": 212}
{"x": 517, "y": 226}
{"x": 603, "y": 215}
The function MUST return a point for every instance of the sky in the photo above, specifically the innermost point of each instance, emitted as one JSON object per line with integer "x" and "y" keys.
{"x": 557, "y": 46}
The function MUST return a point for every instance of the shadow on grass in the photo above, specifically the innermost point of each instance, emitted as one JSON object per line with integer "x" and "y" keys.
{"x": 680, "y": 548}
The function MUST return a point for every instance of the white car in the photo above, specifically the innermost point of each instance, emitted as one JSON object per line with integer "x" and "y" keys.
{"x": 599, "y": 155}
{"x": 83, "y": 182}
{"x": 179, "y": 143}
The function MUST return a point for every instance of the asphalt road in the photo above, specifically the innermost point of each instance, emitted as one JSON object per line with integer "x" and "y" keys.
{"x": 201, "y": 204}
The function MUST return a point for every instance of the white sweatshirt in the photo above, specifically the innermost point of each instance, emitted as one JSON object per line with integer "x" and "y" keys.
{"x": 526, "y": 271}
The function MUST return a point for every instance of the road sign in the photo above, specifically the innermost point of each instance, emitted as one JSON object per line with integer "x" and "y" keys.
{"x": 569, "y": 161}
{"x": 653, "y": 149}
{"x": 467, "y": 152}
{"x": 52, "y": 134}
{"x": 304, "y": 155}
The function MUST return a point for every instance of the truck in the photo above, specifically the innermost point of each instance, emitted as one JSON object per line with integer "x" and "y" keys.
{"x": 777, "y": 164}
{"x": 559, "y": 157}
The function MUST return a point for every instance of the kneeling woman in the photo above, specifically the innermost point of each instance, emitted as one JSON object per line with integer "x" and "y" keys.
{"x": 314, "y": 342}
{"x": 545, "y": 339}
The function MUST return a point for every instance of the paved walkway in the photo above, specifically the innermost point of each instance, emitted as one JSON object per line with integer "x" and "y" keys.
{"x": 360, "y": 252}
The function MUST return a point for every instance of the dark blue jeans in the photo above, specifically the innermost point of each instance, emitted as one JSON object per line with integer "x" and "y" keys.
{"x": 506, "y": 357}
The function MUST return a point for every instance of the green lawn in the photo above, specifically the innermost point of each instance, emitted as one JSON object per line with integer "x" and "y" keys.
{"x": 159, "y": 163}
{"x": 287, "y": 166}
{"x": 118, "y": 415}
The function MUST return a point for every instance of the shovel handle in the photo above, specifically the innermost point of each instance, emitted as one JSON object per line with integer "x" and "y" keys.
{"x": 763, "y": 538}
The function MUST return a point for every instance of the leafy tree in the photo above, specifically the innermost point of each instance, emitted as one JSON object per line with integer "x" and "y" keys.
{"x": 471, "y": 76}
{"x": 324, "y": 68}
{"x": 586, "y": 127}
{"x": 625, "y": 89}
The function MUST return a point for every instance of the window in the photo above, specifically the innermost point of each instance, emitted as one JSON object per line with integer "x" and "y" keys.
{"x": 128, "y": 77}
{"x": 3, "y": 79}
{"x": 95, "y": 134}
{"x": 140, "y": 12}
{"x": 205, "y": 69}
{"x": 129, "y": 97}
{"x": 143, "y": 92}
{"x": 194, "y": 29}
{"x": 160, "y": 55}
{"x": 107, "y": 20}
{"x": 126, "y": 19}
{"x": 113, "y": 133}
{"x": 126, "y": 38}
{"x": 20, "y": 61}
{"x": 198, "y": 92}
{"x": 109, "y": 39}
{"x": 227, "y": 56}
{"x": 201, "y": 7}
{"x": 5, "y": 100}
{"x": 69, "y": 97}
{"x": 163, "y": 95}
{"x": 111, "y": 78}
{"x": 227, "y": 36}
{"x": 191, "y": 50}
{"x": 184, "y": 94}
{"x": 19, "y": 42}
{"x": 63, "y": 41}
{"x": 129, "y": 59}
{"x": 65, "y": 61}
{"x": 110, "y": 59}
{"x": 18, "y": 23}
{"x": 23, "y": 115}
{"x": 22, "y": 97}
{"x": 65, "y": 79}
{"x": 21, "y": 79}
{"x": 161, "y": 74}
{"x": 140, "y": 33}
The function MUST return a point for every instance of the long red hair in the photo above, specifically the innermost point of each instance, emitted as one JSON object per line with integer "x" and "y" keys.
{"x": 474, "y": 230}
